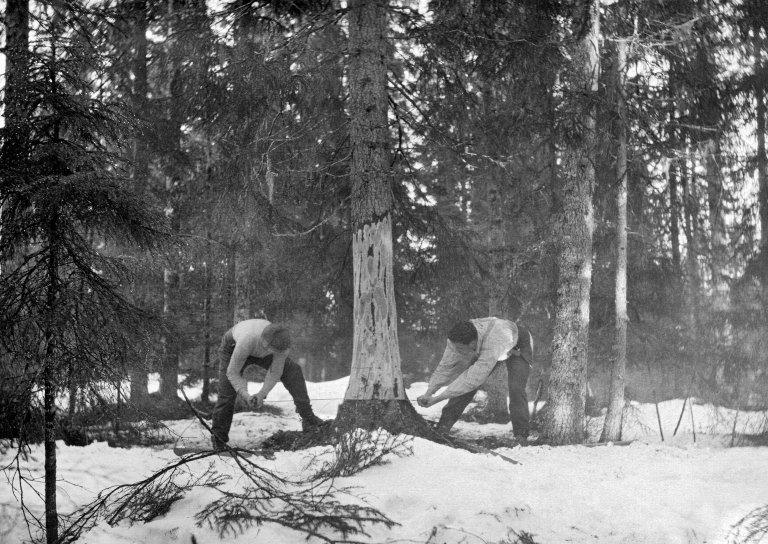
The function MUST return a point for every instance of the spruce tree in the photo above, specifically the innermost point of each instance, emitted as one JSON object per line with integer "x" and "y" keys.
{"x": 67, "y": 208}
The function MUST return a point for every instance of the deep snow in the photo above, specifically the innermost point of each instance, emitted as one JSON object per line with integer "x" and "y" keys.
{"x": 675, "y": 491}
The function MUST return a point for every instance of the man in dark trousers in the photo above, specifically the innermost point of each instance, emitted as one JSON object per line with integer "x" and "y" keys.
{"x": 257, "y": 342}
{"x": 472, "y": 351}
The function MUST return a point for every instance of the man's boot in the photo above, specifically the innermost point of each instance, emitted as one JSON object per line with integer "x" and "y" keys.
{"x": 218, "y": 445}
{"x": 309, "y": 421}
{"x": 444, "y": 425}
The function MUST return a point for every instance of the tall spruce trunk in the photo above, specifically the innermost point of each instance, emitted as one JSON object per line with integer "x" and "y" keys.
{"x": 14, "y": 149}
{"x": 491, "y": 218}
{"x": 139, "y": 389}
{"x": 16, "y": 73}
{"x": 564, "y": 416}
{"x": 614, "y": 417}
{"x": 376, "y": 393}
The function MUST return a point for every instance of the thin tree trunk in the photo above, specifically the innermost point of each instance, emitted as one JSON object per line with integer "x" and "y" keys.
{"x": 762, "y": 162}
{"x": 169, "y": 373}
{"x": 564, "y": 417}
{"x": 242, "y": 297}
{"x": 139, "y": 387}
{"x": 762, "y": 166}
{"x": 206, "y": 393}
{"x": 49, "y": 377}
{"x": 49, "y": 395}
{"x": 691, "y": 236}
{"x": 674, "y": 169}
{"x": 140, "y": 96}
{"x": 715, "y": 193}
{"x": 49, "y": 405}
{"x": 49, "y": 400}
{"x": 229, "y": 283}
{"x": 674, "y": 217}
{"x": 613, "y": 418}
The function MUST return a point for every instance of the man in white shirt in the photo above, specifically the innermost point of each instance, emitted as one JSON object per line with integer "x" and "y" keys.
{"x": 472, "y": 351}
{"x": 257, "y": 342}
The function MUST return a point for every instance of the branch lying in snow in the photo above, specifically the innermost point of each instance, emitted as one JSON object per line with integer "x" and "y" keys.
{"x": 359, "y": 449}
{"x": 266, "y": 497}
{"x": 752, "y": 528}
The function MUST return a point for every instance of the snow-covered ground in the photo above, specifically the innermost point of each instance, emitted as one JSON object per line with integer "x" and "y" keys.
{"x": 675, "y": 491}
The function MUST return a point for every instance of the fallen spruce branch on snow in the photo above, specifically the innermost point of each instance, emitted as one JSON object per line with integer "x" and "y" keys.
{"x": 258, "y": 496}
{"x": 360, "y": 449}
{"x": 751, "y": 529}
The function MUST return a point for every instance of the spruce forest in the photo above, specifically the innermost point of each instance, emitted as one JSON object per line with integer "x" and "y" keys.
{"x": 593, "y": 169}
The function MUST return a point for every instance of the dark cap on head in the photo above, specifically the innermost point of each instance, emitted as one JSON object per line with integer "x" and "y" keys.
{"x": 277, "y": 337}
{"x": 463, "y": 332}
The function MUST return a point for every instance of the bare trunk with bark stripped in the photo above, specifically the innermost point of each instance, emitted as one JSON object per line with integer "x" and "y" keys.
{"x": 376, "y": 394}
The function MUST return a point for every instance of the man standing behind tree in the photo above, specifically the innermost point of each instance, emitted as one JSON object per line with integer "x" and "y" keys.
{"x": 257, "y": 342}
{"x": 472, "y": 351}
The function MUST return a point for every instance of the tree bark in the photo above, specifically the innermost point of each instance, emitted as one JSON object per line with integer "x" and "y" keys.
{"x": 614, "y": 416}
{"x": 49, "y": 378}
{"x": 207, "y": 308}
{"x": 242, "y": 297}
{"x": 497, "y": 388}
{"x": 762, "y": 162}
{"x": 376, "y": 393}
{"x": 674, "y": 169}
{"x": 690, "y": 202}
{"x": 169, "y": 373}
{"x": 564, "y": 416}
{"x": 14, "y": 150}
{"x": 139, "y": 387}
{"x": 49, "y": 405}
{"x": 16, "y": 74}
{"x": 719, "y": 242}
{"x": 230, "y": 273}
{"x": 487, "y": 209}
{"x": 762, "y": 166}
{"x": 674, "y": 216}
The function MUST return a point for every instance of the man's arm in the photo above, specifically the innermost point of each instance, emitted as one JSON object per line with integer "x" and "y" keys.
{"x": 273, "y": 374}
{"x": 471, "y": 378}
{"x": 446, "y": 369}
{"x": 235, "y": 369}
{"x": 497, "y": 344}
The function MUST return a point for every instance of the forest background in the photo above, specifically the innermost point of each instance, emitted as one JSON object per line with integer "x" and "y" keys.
{"x": 225, "y": 131}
